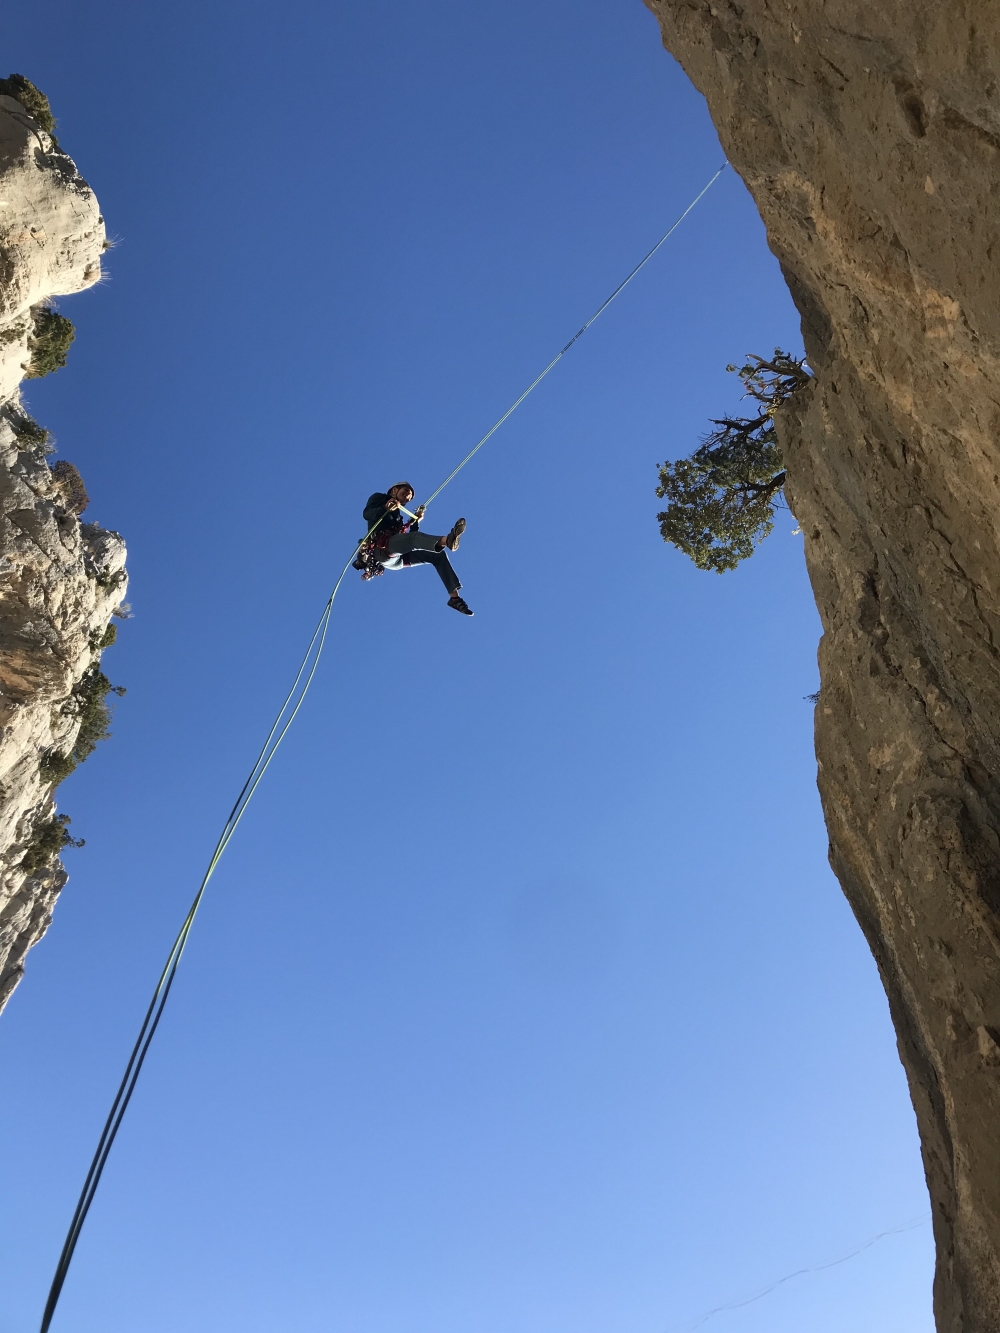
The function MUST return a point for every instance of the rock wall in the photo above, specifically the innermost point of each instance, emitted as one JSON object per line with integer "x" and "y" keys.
{"x": 869, "y": 134}
{"x": 60, "y": 580}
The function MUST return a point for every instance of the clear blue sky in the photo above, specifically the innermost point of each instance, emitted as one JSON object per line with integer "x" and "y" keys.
{"x": 525, "y": 1001}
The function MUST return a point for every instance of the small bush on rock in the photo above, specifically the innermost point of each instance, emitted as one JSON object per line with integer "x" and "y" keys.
{"x": 32, "y": 99}
{"x": 48, "y": 839}
{"x": 104, "y": 579}
{"x": 72, "y": 486}
{"x": 55, "y": 767}
{"x": 48, "y": 342}
{"x": 30, "y": 436}
{"x": 89, "y": 703}
{"x": 100, "y": 640}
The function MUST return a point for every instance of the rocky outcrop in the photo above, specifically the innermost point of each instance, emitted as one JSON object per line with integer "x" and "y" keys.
{"x": 60, "y": 580}
{"x": 869, "y": 135}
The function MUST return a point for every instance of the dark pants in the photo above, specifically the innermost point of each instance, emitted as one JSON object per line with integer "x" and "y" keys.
{"x": 420, "y": 548}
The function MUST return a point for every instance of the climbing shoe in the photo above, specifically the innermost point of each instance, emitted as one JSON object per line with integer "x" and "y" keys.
{"x": 460, "y": 604}
{"x": 453, "y": 538}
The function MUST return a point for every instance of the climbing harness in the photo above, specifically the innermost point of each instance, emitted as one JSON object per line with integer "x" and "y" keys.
{"x": 373, "y": 548}
{"x": 279, "y": 729}
{"x": 371, "y": 554}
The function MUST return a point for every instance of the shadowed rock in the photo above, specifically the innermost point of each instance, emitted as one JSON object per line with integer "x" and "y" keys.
{"x": 869, "y": 135}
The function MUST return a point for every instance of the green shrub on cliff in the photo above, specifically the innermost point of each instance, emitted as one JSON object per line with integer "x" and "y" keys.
{"x": 88, "y": 703}
{"x": 32, "y": 99}
{"x": 48, "y": 342}
{"x": 721, "y": 499}
{"x": 12, "y": 335}
{"x": 48, "y": 839}
{"x": 101, "y": 639}
{"x": 29, "y": 434}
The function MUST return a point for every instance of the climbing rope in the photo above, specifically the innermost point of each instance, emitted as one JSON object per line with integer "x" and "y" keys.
{"x": 279, "y": 728}
{"x": 579, "y": 334}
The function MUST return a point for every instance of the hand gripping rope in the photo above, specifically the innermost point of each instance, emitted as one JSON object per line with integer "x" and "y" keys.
{"x": 279, "y": 729}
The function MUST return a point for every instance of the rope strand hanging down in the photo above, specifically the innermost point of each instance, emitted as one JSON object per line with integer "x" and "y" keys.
{"x": 279, "y": 729}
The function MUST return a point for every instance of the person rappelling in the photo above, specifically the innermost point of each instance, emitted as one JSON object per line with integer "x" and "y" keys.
{"x": 394, "y": 541}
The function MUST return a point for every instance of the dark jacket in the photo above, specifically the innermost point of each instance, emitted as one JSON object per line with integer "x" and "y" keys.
{"x": 392, "y": 520}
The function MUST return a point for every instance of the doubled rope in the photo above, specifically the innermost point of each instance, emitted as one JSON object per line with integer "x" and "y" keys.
{"x": 285, "y": 717}
{"x": 279, "y": 729}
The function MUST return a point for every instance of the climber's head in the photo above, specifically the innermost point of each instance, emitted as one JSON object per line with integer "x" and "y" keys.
{"x": 402, "y": 492}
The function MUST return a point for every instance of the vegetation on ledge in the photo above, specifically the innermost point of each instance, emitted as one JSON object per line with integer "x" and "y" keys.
{"x": 31, "y": 437}
{"x": 88, "y": 702}
{"x": 721, "y": 499}
{"x": 71, "y": 483}
{"x": 48, "y": 839}
{"x": 33, "y": 100}
{"x": 49, "y": 342}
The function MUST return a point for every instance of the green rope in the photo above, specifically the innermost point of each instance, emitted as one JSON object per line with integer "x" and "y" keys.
{"x": 279, "y": 729}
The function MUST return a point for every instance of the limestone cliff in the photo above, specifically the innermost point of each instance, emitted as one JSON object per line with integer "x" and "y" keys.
{"x": 869, "y": 135}
{"x": 60, "y": 579}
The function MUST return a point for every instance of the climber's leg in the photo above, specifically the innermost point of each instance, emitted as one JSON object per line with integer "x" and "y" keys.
{"x": 440, "y": 561}
{"x": 405, "y": 542}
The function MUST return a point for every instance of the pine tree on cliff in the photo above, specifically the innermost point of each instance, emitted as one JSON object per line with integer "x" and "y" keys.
{"x": 721, "y": 499}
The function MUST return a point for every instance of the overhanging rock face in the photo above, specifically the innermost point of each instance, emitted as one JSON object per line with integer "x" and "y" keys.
{"x": 869, "y": 134}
